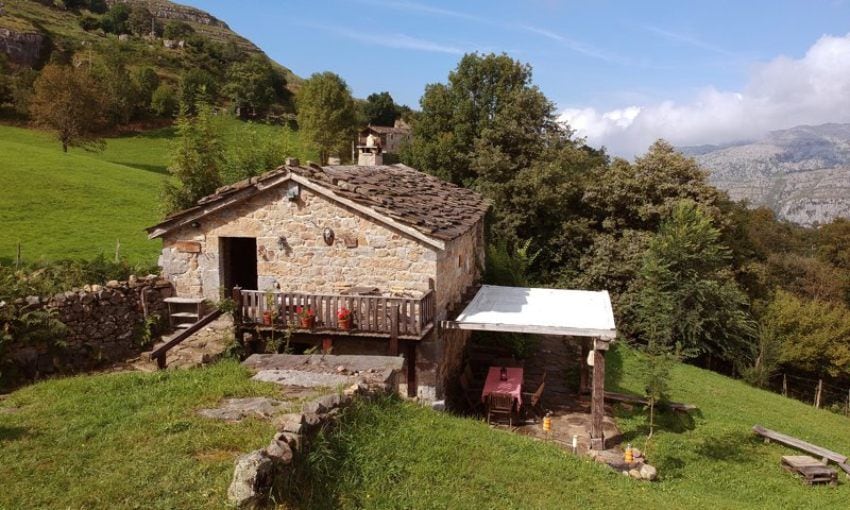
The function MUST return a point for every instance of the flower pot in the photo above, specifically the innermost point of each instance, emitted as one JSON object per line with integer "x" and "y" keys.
{"x": 345, "y": 324}
{"x": 308, "y": 322}
{"x": 267, "y": 318}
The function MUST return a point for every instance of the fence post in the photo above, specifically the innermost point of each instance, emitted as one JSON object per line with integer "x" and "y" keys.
{"x": 237, "y": 307}
{"x": 18, "y": 257}
{"x": 818, "y": 393}
{"x": 784, "y": 385}
{"x": 117, "y": 250}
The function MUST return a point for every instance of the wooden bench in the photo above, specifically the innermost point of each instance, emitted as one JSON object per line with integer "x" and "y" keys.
{"x": 810, "y": 469}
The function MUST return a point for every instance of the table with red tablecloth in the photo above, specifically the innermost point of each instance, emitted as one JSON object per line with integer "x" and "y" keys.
{"x": 495, "y": 384}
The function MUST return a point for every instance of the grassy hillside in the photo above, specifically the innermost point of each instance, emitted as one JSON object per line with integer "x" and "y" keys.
{"x": 125, "y": 440}
{"x": 397, "y": 455}
{"x": 112, "y": 441}
{"x": 77, "y": 205}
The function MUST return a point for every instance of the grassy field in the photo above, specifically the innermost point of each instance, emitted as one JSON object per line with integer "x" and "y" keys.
{"x": 397, "y": 455}
{"x": 133, "y": 441}
{"x": 126, "y": 440}
{"x": 80, "y": 204}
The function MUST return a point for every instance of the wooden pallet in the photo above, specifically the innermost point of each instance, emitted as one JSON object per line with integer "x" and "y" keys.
{"x": 810, "y": 469}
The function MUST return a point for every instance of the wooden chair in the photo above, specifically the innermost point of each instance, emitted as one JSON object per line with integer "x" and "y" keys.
{"x": 500, "y": 404}
{"x": 534, "y": 401}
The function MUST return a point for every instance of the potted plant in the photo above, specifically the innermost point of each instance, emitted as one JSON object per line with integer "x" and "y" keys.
{"x": 344, "y": 316}
{"x": 267, "y": 313}
{"x": 307, "y": 316}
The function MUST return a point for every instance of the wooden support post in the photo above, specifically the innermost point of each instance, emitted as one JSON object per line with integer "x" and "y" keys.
{"x": 784, "y": 385}
{"x": 411, "y": 370}
{"x": 237, "y": 310}
{"x": 597, "y": 402}
{"x": 394, "y": 330}
{"x": 160, "y": 361}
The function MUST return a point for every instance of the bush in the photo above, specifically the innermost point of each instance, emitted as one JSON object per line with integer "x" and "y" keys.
{"x": 89, "y": 23}
{"x": 164, "y": 101}
{"x": 177, "y": 30}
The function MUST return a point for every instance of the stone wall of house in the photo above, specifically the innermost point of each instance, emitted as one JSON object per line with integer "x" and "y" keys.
{"x": 104, "y": 323}
{"x": 292, "y": 253}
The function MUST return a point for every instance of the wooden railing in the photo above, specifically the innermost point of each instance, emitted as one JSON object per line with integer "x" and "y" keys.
{"x": 398, "y": 316}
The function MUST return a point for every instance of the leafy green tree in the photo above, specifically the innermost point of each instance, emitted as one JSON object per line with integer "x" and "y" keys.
{"x": 380, "y": 109}
{"x": 253, "y": 151}
{"x": 164, "y": 101}
{"x": 686, "y": 275}
{"x": 145, "y": 82}
{"x": 120, "y": 97}
{"x": 486, "y": 123}
{"x": 141, "y": 21}
{"x": 251, "y": 86}
{"x": 195, "y": 85}
{"x": 67, "y": 101}
{"x": 814, "y": 335}
{"x": 326, "y": 114}
{"x": 177, "y": 30}
{"x": 197, "y": 158}
{"x": 115, "y": 21}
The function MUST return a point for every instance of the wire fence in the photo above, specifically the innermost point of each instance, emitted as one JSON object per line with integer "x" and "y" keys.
{"x": 816, "y": 392}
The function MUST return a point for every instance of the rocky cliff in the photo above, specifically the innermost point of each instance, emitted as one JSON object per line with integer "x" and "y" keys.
{"x": 168, "y": 10}
{"x": 802, "y": 173}
{"x": 23, "y": 48}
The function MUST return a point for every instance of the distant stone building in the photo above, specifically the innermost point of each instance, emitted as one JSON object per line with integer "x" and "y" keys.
{"x": 396, "y": 247}
{"x": 390, "y": 139}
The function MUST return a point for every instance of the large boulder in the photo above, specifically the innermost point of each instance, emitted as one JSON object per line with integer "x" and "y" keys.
{"x": 252, "y": 479}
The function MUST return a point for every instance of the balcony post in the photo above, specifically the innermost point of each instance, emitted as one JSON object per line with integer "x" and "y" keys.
{"x": 394, "y": 330}
{"x": 237, "y": 300}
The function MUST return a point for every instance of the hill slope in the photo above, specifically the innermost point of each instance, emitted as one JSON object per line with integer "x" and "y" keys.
{"x": 802, "y": 173}
{"x": 398, "y": 455}
{"x": 29, "y": 29}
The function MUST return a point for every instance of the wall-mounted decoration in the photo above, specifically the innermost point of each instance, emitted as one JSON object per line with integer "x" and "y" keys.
{"x": 293, "y": 192}
{"x": 328, "y": 235}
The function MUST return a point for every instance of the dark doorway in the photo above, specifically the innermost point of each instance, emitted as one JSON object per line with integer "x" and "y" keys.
{"x": 238, "y": 263}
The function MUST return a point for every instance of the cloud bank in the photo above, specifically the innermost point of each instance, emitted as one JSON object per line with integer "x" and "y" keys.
{"x": 779, "y": 94}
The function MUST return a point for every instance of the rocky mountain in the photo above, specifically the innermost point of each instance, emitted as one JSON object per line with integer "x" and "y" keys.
{"x": 802, "y": 173}
{"x": 31, "y": 30}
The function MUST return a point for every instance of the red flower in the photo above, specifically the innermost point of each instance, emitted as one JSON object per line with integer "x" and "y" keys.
{"x": 343, "y": 313}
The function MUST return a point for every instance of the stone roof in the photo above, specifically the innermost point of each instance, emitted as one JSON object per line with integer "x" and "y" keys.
{"x": 427, "y": 204}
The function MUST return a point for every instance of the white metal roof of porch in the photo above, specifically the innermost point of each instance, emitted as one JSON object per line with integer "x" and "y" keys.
{"x": 541, "y": 311}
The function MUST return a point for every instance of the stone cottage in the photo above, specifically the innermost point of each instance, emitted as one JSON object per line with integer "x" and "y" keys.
{"x": 395, "y": 247}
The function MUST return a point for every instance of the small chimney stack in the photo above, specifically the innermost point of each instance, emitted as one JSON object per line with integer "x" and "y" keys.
{"x": 292, "y": 162}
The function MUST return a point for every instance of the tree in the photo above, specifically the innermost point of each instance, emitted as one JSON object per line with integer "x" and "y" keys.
{"x": 380, "y": 109}
{"x": 116, "y": 18}
{"x": 326, "y": 114}
{"x": 121, "y": 96}
{"x": 486, "y": 123}
{"x": 140, "y": 20}
{"x": 146, "y": 82}
{"x": 177, "y": 30}
{"x": 686, "y": 277}
{"x": 164, "y": 101}
{"x": 195, "y": 85}
{"x": 67, "y": 100}
{"x": 251, "y": 86}
{"x": 196, "y": 160}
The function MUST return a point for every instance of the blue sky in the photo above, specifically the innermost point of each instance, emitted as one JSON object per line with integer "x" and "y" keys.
{"x": 607, "y": 64}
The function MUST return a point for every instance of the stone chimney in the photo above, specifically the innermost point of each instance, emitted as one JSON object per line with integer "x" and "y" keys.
{"x": 292, "y": 162}
{"x": 371, "y": 153}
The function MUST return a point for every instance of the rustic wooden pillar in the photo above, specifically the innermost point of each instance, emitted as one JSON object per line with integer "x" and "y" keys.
{"x": 597, "y": 402}
{"x": 411, "y": 369}
{"x": 237, "y": 309}
{"x": 393, "y": 331}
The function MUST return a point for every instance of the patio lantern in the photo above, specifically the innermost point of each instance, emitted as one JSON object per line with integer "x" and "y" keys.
{"x": 547, "y": 423}
{"x": 629, "y": 455}
{"x": 503, "y": 374}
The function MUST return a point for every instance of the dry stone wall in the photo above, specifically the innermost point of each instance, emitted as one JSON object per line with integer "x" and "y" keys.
{"x": 103, "y": 324}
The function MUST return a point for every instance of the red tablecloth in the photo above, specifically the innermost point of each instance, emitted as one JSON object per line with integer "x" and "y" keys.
{"x": 513, "y": 385}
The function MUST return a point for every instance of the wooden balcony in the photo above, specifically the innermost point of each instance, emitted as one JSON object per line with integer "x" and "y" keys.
{"x": 404, "y": 318}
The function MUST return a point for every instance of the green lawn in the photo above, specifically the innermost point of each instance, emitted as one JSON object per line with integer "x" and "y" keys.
{"x": 126, "y": 440}
{"x": 397, "y": 455}
{"x": 80, "y": 204}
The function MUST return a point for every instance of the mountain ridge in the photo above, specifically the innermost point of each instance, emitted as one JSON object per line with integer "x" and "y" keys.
{"x": 802, "y": 173}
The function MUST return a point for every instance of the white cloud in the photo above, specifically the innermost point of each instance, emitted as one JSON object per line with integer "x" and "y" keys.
{"x": 782, "y": 93}
{"x": 397, "y": 41}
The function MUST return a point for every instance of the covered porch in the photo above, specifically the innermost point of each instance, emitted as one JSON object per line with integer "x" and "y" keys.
{"x": 585, "y": 317}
